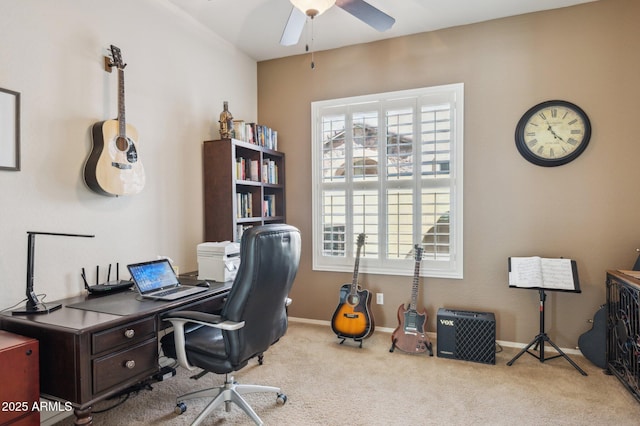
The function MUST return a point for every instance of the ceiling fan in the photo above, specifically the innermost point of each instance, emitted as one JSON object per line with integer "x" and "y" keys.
{"x": 362, "y": 10}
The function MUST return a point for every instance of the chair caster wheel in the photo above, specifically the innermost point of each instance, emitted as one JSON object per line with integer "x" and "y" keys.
{"x": 181, "y": 407}
{"x": 281, "y": 399}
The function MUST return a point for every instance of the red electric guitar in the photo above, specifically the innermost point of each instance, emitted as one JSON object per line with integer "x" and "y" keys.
{"x": 411, "y": 336}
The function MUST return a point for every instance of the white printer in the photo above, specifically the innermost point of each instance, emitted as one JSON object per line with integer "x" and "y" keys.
{"x": 218, "y": 261}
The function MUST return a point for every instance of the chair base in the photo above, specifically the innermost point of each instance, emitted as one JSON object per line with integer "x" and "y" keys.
{"x": 230, "y": 392}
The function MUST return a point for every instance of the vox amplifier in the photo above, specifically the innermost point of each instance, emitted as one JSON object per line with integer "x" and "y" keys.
{"x": 465, "y": 335}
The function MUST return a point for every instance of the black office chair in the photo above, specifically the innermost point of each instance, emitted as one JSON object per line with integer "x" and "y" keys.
{"x": 253, "y": 318}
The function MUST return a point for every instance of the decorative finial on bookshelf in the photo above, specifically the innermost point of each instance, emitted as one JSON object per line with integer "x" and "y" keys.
{"x": 226, "y": 122}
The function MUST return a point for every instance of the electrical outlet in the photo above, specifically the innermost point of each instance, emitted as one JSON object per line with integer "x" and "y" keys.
{"x": 380, "y": 298}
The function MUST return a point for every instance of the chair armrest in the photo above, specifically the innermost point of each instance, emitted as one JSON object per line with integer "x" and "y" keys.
{"x": 202, "y": 318}
{"x": 180, "y": 318}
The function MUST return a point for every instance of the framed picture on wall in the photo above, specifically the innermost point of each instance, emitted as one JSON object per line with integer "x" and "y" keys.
{"x": 9, "y": 130}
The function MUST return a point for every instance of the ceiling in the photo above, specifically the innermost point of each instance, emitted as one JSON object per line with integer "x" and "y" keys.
{"x": 255, "y": 26}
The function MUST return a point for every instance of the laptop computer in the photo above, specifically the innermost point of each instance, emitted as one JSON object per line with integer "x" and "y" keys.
{"x": 157, "y": 280}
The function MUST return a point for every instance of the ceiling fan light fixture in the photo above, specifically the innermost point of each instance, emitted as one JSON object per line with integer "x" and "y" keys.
{"x": 313, "y": 8}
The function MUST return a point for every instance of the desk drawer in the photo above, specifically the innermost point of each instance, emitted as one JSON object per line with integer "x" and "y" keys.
{"x": 127, "y": 334}
{"x": 119, "y": 367}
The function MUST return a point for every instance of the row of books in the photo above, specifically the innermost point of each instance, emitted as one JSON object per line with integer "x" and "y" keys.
{"x": 247, "y": 169}
{"x": 245, "y": 205}
{"x": 257, "y": 134}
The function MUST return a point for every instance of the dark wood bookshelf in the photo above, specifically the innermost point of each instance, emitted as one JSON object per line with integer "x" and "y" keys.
{"x": 228, "y": 194}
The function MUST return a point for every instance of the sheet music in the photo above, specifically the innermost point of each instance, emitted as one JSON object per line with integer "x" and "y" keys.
{"x": 537, "y": 272}
{"x": 526, "y": 272}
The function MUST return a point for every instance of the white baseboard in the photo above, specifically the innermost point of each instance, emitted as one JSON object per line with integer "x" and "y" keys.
{"x": 49, "y": 415}
{"x": 433, "y": 335}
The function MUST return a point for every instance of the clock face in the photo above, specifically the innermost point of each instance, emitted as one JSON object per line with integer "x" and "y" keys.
{"x": 553, "y": 133}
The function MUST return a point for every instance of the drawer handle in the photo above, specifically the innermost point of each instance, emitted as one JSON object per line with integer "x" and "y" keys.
{"x": 131, "y": 364}
{"x": 129, "y": 333}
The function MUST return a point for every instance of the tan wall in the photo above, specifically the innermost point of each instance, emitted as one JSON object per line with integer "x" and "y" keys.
{"x": 585, "y": 210}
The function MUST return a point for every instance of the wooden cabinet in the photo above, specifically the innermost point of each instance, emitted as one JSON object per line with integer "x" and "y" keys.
{"x": 243, "y": 187}
{"x": 623, "y": 330}
{"x": 20, "y": 372}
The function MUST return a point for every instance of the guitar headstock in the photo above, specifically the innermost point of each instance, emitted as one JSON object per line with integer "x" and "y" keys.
{"x": 361, "y": 238}
{"x": 418, "y": 252}
{"x": 116, "y": 57}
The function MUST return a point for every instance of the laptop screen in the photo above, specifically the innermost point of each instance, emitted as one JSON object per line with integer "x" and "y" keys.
{"x": 154, "y": 275}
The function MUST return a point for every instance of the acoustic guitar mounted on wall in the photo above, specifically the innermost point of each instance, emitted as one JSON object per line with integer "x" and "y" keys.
{"x": 352, "y": 318}
{"x": 113, "y": 166}
{"x": 411, "y": 335}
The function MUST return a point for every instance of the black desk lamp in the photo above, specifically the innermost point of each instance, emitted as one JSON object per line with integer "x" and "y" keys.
{"x": 34, "y": 306}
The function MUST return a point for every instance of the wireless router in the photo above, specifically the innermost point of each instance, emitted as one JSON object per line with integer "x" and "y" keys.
{"x": 108, "y": 286}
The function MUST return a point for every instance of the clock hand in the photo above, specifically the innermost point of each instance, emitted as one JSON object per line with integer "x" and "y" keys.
{"x": 555, "y": 135}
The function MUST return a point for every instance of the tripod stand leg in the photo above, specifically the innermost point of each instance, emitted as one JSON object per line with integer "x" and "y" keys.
{"x": 536, "y": 341}
{"x": 565, "y": 356}
{"x": 541, "y": 338}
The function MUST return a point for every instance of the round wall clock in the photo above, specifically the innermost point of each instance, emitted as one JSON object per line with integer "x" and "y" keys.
{"x": 553, "y": 133}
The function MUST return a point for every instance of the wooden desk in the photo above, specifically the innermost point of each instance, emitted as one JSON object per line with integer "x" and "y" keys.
{"x": 103, "y": 345}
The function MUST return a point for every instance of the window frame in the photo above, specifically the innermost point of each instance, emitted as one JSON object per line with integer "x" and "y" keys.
{"x": 452, "y": 268}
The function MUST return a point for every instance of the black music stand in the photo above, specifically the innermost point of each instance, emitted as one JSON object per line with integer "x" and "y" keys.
{"x": 560, "y": 280}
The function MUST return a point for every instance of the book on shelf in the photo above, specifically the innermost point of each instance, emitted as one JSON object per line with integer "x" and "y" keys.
{"x": 250, "y": 133}
{"x": 240, "y": 168}
{"x": 254, "y": 171}
{"x": 239, "y": 130}
{"x": 543, "y": 273}
{"x": 269, "y": 205}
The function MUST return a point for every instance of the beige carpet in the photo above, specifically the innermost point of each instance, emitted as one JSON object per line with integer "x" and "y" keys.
{"x": 332, "y": 384}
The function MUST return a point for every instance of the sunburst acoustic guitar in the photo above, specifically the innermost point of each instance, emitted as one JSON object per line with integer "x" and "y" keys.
{"x": 410, "y": 336}
{"x": 352, "y": 318}
{"x": 113, "y": 166}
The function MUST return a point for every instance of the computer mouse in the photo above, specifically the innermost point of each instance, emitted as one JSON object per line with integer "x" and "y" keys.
{"x": 204, "y": 284}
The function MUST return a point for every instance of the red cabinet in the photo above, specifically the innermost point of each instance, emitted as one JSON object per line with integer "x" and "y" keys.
{"x": 20, "y": 373}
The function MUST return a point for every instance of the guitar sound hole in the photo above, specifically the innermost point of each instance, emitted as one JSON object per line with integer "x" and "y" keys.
{"x": 122, "y": 143}
{"x": 353, "y": 299}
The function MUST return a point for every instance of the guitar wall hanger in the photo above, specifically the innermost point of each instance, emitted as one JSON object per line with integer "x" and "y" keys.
{"x": 109, "y": 64}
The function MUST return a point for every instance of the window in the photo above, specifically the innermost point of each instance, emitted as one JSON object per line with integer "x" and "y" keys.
{"x": 389, "y": 166}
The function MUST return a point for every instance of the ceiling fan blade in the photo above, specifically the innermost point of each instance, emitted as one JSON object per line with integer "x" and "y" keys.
{"x": 293, "y": 29}
{"x": 367, "y": 14}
